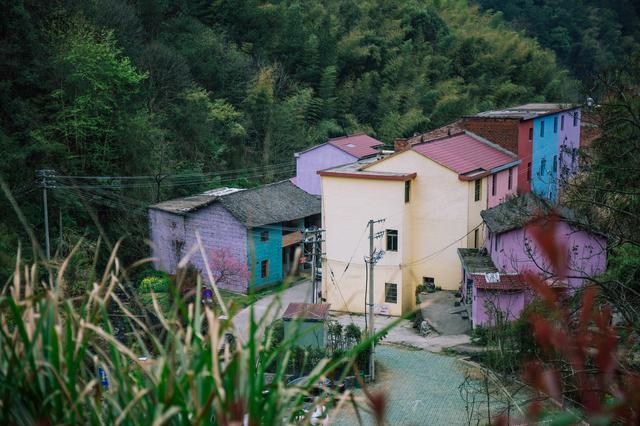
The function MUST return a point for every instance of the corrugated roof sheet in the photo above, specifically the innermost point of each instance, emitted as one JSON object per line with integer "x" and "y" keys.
{"x": 272, "y": 203}
{"x": 307, "y": 311}
{"x": 465, "y": 152}
{"x": 359, "y": 145}
{"x": 193, "y": 202}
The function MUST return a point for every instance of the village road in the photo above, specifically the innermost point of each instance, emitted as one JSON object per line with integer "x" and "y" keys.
{"x": 421, "y": 388}
{"x": 271, "y": 307}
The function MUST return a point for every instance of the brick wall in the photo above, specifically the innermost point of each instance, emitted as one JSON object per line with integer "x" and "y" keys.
{"x": 503, "y": 132}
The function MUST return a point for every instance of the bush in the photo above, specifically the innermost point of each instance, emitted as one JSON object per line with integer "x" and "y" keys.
{"x": 156, "y": 284}
{"x": 480, "y": 335}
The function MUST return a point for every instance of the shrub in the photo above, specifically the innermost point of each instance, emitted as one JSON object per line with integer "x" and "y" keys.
{"x": 156, "y": 284}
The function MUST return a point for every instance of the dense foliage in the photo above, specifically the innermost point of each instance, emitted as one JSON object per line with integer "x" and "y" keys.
{"x": 192, "y": 94}
{"x": 588, "y": 36}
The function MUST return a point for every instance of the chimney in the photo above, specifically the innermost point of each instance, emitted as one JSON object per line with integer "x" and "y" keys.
{"x": 401, "y": 144}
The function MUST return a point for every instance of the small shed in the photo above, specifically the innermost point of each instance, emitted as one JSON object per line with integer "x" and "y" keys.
{"x": 308, "y": 321}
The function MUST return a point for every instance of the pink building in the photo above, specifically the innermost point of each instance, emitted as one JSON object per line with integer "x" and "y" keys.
{"x": 335, "y": 152}
{"x": 493, "y": 276}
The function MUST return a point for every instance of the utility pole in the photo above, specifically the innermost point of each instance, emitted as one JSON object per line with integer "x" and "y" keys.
{"x": 314, "y": 267}
{"x": 44, "y": 174}
{"x": 313, "y": 236}
{"x": 372, "y": 368}
{"x": 373, "y": 259}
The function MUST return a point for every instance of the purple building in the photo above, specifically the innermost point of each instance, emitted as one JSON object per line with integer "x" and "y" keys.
{"x": 258, "y": 227}
{"x": 492, "y": 276}
{"x": 334, "y": 152}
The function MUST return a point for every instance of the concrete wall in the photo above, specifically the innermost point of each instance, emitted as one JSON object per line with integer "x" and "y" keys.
{"x": 502, "y": 190}
{"x": 319, "y": 158}
{"x": 517, "y": 252}
{"x": 310, "y": 333}
{"x": 270, "y": 250}
{"x": 473, "y": 212}
{"x": 439, "y": 217}
{"x": 525, "y": 155}
{"x": 487, "y": 302}
{"x": 568, "y": 144}
{"x": 167, "y": 235}
{"x": 217, "y": 229}
{"x": 431, "y": 227}
{"x": 347, "y": 205}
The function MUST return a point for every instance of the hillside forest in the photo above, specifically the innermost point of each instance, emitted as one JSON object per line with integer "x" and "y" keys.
{"x": 136, "y": 101}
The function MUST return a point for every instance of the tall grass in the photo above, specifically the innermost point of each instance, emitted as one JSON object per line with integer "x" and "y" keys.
{"x": 182, "y": 371}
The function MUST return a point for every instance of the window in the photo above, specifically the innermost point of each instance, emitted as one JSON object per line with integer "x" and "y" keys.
{"x": 494, "y": 182}
{"x": 390, "y": 293}
{"x": 264, "y": 269}
{"x": 562, "y": 122}
{"x": 392, "y": 240}
{"x": 476, "y": 235}
{"x": 529, "y": 172}
{"x": 555, "y": 163}
{"x": 543, "y": 167}
{"x": 530, "y": 134}
{"x": 407, "y": 191}
{"x": 478, "y": 188}
{"x": 495, "y": 242}
{"x": 264, "y": 236}
{"x": 542, "y": 128}
{"x": 575, "y": 118}
{"x": 510, "y": 182}
{"x": 555, "y": 124}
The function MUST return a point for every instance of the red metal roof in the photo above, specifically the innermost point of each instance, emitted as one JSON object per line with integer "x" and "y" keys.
{"x": 359, "y": 145}
{"x": 306, "y": 311}
{"x": 507, "y": 282}
{"x": 465, "y": 152}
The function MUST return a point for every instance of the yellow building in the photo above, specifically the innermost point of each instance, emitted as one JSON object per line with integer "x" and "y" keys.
{"x": 430, "y": 197}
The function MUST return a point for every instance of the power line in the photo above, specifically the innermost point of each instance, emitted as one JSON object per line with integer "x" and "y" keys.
{"x": 186, "y": 183}
{"x": 179, "y": 175}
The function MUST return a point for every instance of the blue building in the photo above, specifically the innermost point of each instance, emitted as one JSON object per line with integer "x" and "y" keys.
{"x": 556, "y": 138}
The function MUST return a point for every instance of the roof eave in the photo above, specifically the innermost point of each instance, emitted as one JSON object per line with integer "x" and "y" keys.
{"x": 404, "y": 177}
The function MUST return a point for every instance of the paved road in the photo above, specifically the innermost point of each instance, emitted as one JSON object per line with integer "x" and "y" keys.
{"x": 439, "y": 310}
{"x": 421, "y": 388}
{"x": 404, "y": 333}
{"x": 271, "y": 307}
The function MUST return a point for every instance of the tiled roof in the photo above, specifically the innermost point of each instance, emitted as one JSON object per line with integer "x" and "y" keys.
{"x": 359, "y": 145}
{"x": 507, "y": 282}
{"x": 307, "y": 311}
{"x": 263, "y": 205}
{"x": 515, "y": 212}
{"x": 466, "y": 153}
{"x": 526, "y": 111}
